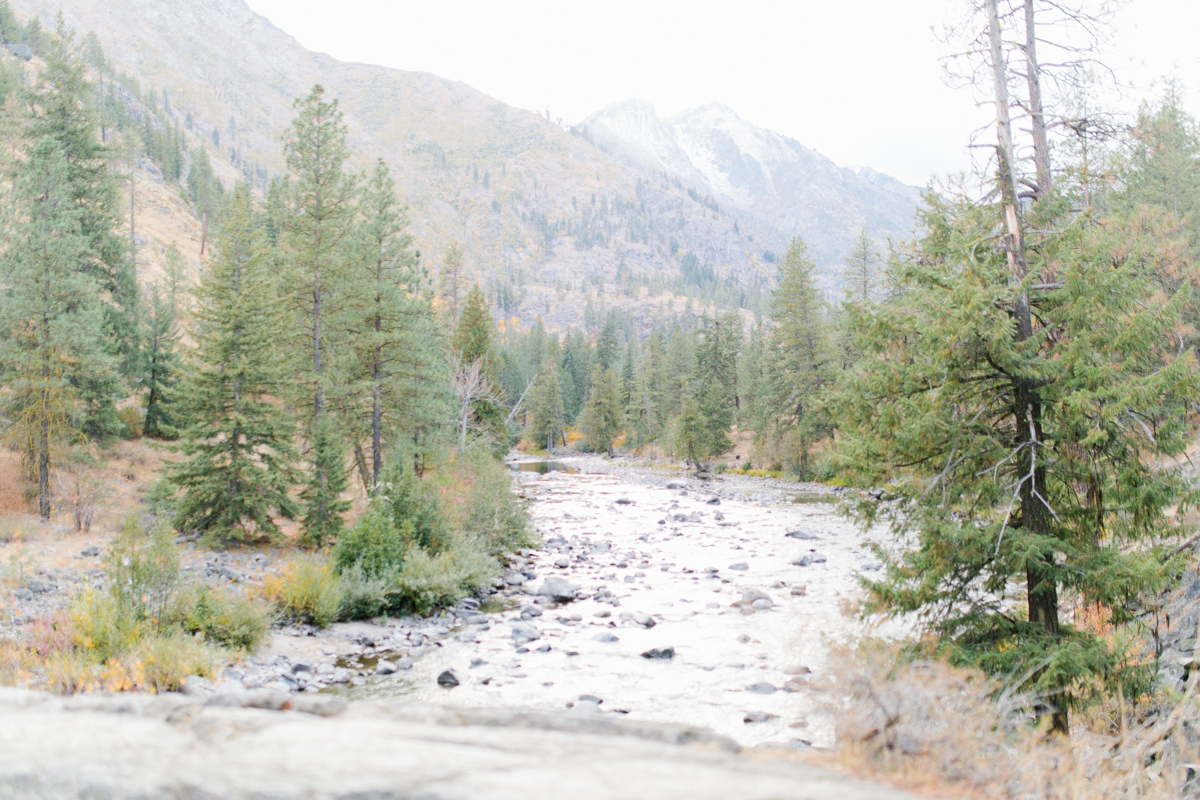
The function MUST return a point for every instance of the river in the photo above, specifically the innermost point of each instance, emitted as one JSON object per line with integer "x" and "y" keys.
{"x": 681, "y": 558}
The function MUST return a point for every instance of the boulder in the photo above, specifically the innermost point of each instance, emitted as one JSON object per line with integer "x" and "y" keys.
{"x": 557, "y": 589}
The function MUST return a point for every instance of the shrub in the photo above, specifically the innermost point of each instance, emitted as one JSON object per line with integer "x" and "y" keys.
{"x": 143, "y": 571}
{"x": 160, "y": 663}
{"x": 309, "y": 589}
{"x": 491, "y": 512}
{"x": 132, "y": 422}
{"x": 224, "y": 617}
{"x": 376, "y": 544}
{"x": 101, "y": 626}
{"x": 427, "y": 581}
{"x": 363, "y": 595}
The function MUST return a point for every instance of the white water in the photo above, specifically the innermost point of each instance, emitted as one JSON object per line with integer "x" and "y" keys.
{"x": 706, "y": 683}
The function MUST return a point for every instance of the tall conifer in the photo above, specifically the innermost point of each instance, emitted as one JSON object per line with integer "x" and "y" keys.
{"x": 239, "y": 456}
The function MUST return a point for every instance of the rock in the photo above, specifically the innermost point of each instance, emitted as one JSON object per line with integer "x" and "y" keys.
{"x": 796, "y": 669}
{"x": 448, "y": 679}
{"x": 530, "y": 611}
{"x": 798, "y": 534}
{"x": 665, "y": 654}
{"x": 818, "y": 558}
{"x": 714, "y": 501}
{"x": 872, "y": 566}
{"x": 762, "y": 688}
{"x": 741, "y": 566}
{"x": 638, "y": 618}
{"x": 523, "y": 632}
{"x": 762, "y": 605}
{"x": 590, "y": 698}
{"x": 803, "y": 561}
{"x": 514, "y": 578}
{"x": 743, "y": 638}
{"x": 90, "y": 551}
{"x": 624, "y": 501}
{"x": 557, "y": 589}
{"x": 543, "y": 649}
{"x": 676, "y": 484}
{"x": 195, "y": 686}
{"x": 758, "y": 716}
{"x": 750, "y": 595}
{"x": 562, "y": 562}
{"x": 605, "y": 637}
{"x": 404, "y": 662}
{"x": 385, "y": 668}
{"x": 799, "y": 591}
{"x": 135, "y": 747}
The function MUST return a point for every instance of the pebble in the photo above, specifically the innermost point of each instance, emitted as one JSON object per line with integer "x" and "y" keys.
{"x": 758, "y": 716}
{"x": 606, "y": 637}
{"x": 762, "y": 688}
{"x": 448, "y": 679}
{"x": 741, "y": 566}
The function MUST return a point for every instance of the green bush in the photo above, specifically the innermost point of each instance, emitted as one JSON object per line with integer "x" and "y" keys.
{"x": 224, "y": 617}
{"x": 363, "y": 596}
{"x": 376, "y": 544}
{"x": 143, "y": 572}
{"x": 428, "y": 581}
{"x": 492, "y": 514}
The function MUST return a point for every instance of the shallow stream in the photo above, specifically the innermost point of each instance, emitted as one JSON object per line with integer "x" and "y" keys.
{"x": 683, "y": 557}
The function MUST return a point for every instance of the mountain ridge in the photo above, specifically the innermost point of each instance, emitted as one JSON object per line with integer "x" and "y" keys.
{"x": 545, "y": 219}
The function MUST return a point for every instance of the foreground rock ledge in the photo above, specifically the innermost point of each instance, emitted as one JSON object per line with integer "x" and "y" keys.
{"x": 265, "y": 745}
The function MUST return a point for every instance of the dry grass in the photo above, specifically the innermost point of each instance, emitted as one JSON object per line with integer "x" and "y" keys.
{"x": 928, "y": 727}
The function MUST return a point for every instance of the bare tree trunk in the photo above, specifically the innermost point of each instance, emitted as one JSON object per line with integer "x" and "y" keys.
{"x": 1041, "y": 588}
{"x": 1041, "y": 147}
{"x": 204, "y": 234}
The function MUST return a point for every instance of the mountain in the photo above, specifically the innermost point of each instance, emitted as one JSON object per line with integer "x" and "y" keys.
{"x": 547, "y": 220}
{"x": 771, "y": 182}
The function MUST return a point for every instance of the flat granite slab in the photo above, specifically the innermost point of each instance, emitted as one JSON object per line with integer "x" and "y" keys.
{"x": 277, "y": 747}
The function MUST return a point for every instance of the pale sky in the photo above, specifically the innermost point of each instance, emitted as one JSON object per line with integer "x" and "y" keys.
{"x": 858, "y": 80}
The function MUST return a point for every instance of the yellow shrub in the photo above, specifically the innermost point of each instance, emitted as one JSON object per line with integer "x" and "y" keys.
{"x": 306, "y": 588}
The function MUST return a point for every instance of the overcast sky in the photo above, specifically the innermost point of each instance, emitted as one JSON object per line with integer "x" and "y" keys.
{"x": 858, "y": 80}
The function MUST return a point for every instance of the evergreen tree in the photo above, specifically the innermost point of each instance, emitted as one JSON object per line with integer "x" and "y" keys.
{"x": 546, "y": 423}
{"x": 238, "y": 442}
{"x": 607, "y": 344}
{"x": 603, "y": 418}
{"x": 160, "y": 354}
{"x": 51, "y": 322}
{"x": 398, "y": 367}
{"x": 322, "y": 493}
{"x": 800, "y": 358}
{"x": 316, "y": 228}
{"x": 1025, "y": 455}
{"x": 862, "y": 270}
{"x": 62, "y": 111}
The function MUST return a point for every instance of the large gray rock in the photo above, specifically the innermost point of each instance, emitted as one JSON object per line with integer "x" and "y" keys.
{"x": 557, "y": 589}
{"x": 131, "y": 747}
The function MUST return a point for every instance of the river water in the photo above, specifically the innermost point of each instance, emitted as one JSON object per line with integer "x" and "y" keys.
{"x": 683, "y": 557}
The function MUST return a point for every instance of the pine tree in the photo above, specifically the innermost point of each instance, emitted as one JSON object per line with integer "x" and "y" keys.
{"x": 398, "y": 356}
{"x": 51, "y": 322}
{"x": 237, "y": 444}
{"x": 160, "y": 354}
{"x": 546, "y": 413}
{"x": 62, "y": 111}
{"x": 322, "y": 493}
{"x": 603, "y": 418}
{"x": 316, "y": 229}
{"x": 800, "y": 362}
